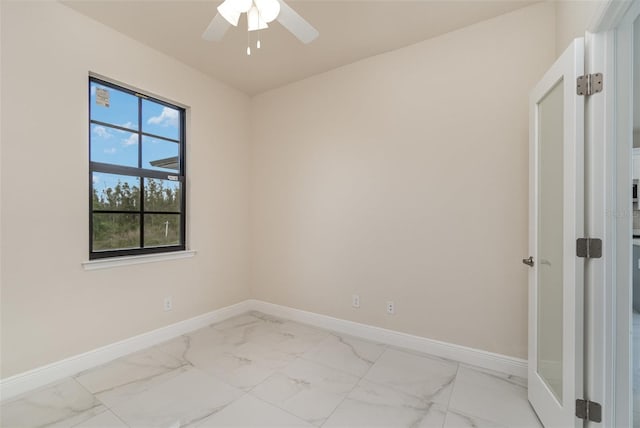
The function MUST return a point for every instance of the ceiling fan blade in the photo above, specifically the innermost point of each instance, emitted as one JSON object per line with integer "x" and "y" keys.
{"x": 293, "y": 22}
{"x": 216, "y": 29}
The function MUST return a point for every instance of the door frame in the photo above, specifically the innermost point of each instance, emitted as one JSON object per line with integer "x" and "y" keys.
{"x": 608, "y": 213}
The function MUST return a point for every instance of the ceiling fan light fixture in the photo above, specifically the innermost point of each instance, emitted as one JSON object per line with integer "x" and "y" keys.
{"x": 229, "y": 12}
{"x": 262, "y": 12}
{"x": 254, "y": 20}
{"x": 269, "y": 9}
{"x": 242, "y": 6}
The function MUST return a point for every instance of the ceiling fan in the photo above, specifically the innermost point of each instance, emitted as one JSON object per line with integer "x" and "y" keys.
{"x": 259, "y": 14}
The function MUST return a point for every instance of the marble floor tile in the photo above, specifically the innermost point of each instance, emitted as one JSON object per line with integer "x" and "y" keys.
{"x": 249, "y": 411}
{"x": 255, "y": 370}
{"x": 306, "y": 389}
{"x": 247, "y": 327}
{"x": 284, "y": 335}
{"x": 247, "y": 365}
{"x": 271, "y": 319}
{"x": 243, "y": 320}
{"x": 459, "y": 420}
{"x": 232, "y": 350}
{"x": 103, "y": 420}
{"x": 346, "y": 353}
{"x": 303, "y": 329}
{"x": 200, "y": 347}
{"x": 373, "y": 405}
{"x": 183, "y": 400}
{"x": 123, "y": 378}
{"x": 428, "y": 378}
{"x": 509, "y": 378}
{"x": 291, "y": 338}
{"x": 63, "y": 404}
{"x": 493, "y": 397}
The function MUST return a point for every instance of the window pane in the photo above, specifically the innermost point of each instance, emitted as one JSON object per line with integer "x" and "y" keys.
{"x": 121, "y": 109}
{"x": 550, "y": 243}
{"x": 161, "y": 229}
{"x": 160, "y": 154}
{"x": 115, "y": 192}
{"x": 160, "y": 120}
{"x": 162, "y": 195}
{"x": 110, "y": 145}
{"x": 115, "y": 231}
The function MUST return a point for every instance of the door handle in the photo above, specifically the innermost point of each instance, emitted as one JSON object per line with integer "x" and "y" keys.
{"x": 528, "y": 262}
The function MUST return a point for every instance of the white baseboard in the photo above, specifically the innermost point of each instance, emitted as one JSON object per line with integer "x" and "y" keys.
{"x": 476, "y": 357}
{"x": 32, "y": 379}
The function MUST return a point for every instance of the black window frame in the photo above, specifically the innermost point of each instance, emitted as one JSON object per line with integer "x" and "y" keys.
{"x": 139, "y": 172}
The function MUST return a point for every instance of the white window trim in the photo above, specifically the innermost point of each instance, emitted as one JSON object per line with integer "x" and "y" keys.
{"x": 112, "y": 262}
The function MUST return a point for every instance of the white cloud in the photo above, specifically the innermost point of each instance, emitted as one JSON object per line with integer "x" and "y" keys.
{"x": 168, "y": 117}
{"x": 110, "y": 150}
{"x": 124, "y": 125}
{"x": 133, "y": 139}
{"x": 101, "y": 132}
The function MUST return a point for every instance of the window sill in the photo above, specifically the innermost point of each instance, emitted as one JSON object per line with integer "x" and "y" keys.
{"x": 136, "y": 260}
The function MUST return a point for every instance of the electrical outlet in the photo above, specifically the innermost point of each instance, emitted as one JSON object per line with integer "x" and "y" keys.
{"x": 355, "y": 301}
{"x": 391, "y": 307}
{"x": 168, "y": 303}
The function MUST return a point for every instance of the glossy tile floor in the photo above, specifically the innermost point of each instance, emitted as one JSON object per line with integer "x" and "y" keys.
{"x": 255, "y": 370}
{"x": 636, "y": 370}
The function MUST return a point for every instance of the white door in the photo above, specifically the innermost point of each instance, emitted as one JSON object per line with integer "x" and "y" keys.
{"x": 556, "y": 211}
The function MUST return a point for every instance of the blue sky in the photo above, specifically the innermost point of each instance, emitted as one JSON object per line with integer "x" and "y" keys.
{"x": 114, "y": 146}
{"x": 118, "y": 147}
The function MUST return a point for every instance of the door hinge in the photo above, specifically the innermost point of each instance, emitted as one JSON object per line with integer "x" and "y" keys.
{"x": 589, "y": 84}
{"x": 589, "y": 410}
{"x": 589, "y": 248}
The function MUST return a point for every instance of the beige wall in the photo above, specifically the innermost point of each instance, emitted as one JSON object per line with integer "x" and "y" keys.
{"x": 401, "y": 177}
{"x": 404, "y": 177}
{"x": 52, "y": 308}
{"x": 572, "y": 20}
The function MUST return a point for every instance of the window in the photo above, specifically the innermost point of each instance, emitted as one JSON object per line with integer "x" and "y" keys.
{"x": 136, "y": 173}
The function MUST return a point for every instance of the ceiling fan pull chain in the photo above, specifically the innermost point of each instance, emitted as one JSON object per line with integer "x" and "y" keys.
{"x": 259, "y": 32}
{"x": 248, "y": 43}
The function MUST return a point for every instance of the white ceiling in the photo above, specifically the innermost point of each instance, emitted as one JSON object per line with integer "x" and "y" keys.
{"x": 349, "y": 31}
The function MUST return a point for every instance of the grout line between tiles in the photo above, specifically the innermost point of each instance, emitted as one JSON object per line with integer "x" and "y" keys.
{"x": 278, "y": 407}
{"x": 410, "y": 394}
{"x": 453, "y": 387}
{"x": 355, "y": 385}
{"x": 108, "y": 408}
{"x": 334, "y": 334}
{"x": 119, "y": 418}
{"x": 302, "y": 358}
